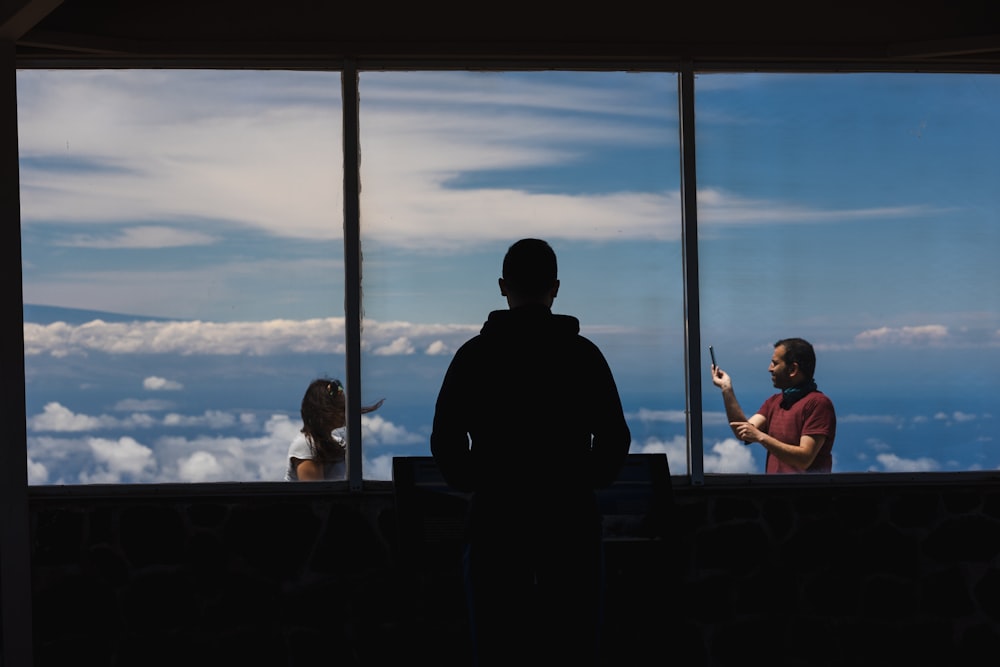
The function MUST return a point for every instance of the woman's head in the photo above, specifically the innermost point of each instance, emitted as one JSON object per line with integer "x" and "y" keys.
{"x": 323, "y": 407}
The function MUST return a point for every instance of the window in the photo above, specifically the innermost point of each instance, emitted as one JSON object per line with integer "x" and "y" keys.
{"x": 456, "y": 166}
{"x": 182, "y": 236}
{"x": 182, "y": 241}
{"x": 858, "y": 211}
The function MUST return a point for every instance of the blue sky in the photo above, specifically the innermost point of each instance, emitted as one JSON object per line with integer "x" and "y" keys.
{"x": 193, "y": 219}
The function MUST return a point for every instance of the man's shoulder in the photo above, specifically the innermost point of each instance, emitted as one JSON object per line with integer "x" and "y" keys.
{"x": 470, "y": 345}
{"x": 822, "y": 397}
{"x": 819, "y": 399}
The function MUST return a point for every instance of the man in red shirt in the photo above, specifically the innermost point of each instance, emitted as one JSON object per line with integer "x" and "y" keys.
{"x": 796, "y": 426}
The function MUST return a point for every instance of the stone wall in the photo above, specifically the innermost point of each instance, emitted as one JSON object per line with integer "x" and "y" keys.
{"x": 834, "y": 570}
{"x": 865, "y": 572}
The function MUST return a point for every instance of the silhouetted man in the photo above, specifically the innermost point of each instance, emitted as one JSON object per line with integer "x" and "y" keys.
{"x": 530, "y": 421}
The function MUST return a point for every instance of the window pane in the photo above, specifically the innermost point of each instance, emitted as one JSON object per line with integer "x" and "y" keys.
{"x": 183, "y": 269}
{"x": 456, "y": 166}
{"x": 861, "y": 212}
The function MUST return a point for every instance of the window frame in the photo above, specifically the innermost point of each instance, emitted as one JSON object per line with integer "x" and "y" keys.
{"x": 350, "y": 70}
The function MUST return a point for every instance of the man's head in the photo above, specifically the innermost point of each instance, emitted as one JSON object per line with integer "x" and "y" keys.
{"x": 793, "y": 362}
{"x": 529, "y": 273}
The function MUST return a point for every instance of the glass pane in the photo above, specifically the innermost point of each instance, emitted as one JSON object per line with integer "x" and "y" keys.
{"x": 456, "y": 166}
{"x": 860, "y": 212}
{"x": 183, "y": 269}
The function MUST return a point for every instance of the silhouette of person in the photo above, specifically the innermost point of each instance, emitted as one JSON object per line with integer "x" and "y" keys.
{"x": 529, "y": 420}
{"x": 797, "y": 425}
{"x": 317, "y": 453}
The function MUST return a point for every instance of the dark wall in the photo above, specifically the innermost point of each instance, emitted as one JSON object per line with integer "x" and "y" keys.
{"x": 903, "y": 572}
{"x": 71, "y": 32}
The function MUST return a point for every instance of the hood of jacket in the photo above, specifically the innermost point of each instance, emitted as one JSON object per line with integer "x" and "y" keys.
{"x": 534, "y": 320}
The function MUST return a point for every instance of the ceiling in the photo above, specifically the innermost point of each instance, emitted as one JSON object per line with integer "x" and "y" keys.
{"x": 956, "y": 35}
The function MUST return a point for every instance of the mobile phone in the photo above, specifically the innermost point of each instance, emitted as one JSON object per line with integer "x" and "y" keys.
{"x": 711, "y": 351}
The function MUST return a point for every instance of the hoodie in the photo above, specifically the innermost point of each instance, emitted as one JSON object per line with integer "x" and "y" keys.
{"x": 529, "y": 410}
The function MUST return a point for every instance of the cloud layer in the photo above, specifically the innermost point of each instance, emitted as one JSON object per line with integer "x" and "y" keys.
{"x": 326, "y": 335}
{"x": 68, "y": 448}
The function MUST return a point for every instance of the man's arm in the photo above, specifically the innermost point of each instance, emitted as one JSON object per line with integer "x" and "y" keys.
{"x": 612, "y": 437}
{"x": 800, "y": 455}
{"x": 449, "y": 435}
{"x": 734, "y": 413}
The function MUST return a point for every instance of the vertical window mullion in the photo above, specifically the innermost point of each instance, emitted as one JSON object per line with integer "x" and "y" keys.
{"x": 689, "y": 251}
{"x": 352, "y": 271}
{"x": 15, "y": 566}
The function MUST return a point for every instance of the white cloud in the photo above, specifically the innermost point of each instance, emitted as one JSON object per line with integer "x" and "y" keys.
{"x": 222, "y": 158}
{"x": 98, "y": 476}
{"x": 379, "y": 467}
{"x": 437, "y": 348}
{"x": 967, "y": 330}
{"x": 200, "y": 467}
{"x": 49, "y": 450}
{"x": 401, "y": 345}
{"x": 143, "y": 158}
{"x": 281, "y": 426}
{"x": 376, "y": 431}
{"x": 37, "y": 472}
{"x": 209, "y": 419}
{"x": 955, "y": 417}
{"x": 878, "y": 444}
{"x": 154, "y": 383}
{"x": 728, "y": 456}
{"x": 719, "y": 207}
{"x": 149, "y": 236}
{"x": 259, "y": 456}
{"x": 142, "y": 405}
{"x": 124, "y": 456}
{"x": 867, "y": 419}
{"x": 669, "y": 416}
{"x": 58, "y": 418}
{"x": 894, "y": 463}
{"x": 675, "y": 449}
{"x": 714, "y": 418}
{"x": 928, "y": 334}
{"x": 323, "y": 335}
{"x": 262, "y": 457}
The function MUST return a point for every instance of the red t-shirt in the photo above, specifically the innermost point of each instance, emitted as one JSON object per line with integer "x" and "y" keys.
{"x": 811, "y": 415}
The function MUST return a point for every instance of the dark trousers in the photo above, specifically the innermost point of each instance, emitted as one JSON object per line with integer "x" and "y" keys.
{"x": 536, "y": 595}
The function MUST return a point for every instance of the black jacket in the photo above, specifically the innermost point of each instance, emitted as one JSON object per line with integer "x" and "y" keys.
{"x": 528, "y": 409}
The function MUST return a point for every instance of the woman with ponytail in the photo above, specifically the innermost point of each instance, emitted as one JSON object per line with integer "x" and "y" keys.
{"x": 317, "y": 453}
